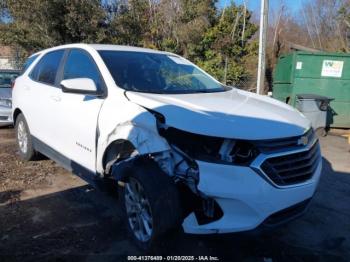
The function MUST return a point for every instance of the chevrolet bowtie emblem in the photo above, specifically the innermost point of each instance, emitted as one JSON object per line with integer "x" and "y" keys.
{"x": 303, "y": 141}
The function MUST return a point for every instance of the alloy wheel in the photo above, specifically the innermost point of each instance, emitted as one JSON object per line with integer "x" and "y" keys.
{"x": 22, "y": 137}
{"x": 138, "y": 210}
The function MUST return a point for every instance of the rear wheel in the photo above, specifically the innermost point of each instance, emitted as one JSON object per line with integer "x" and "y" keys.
{"x": 24, "y": 139}
{"x": 151, "y": 204}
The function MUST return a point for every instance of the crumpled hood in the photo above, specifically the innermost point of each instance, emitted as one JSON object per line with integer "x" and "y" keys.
{"x": 232, "y": 114}
{"x": 5, "y": 93}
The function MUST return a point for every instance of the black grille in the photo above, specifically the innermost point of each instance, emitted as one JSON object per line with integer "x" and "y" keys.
{"x": 275, "y": 145}
{"x": 293, "y": 168}
{"x": 4, "y": 117}
{"x": 287, "y": 214}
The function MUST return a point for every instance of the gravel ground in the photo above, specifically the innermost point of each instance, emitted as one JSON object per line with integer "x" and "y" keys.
{"x": 49, "y": 214}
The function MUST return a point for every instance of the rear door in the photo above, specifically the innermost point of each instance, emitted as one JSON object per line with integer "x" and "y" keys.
{"x": 75, "y": 114}
{"x": 39, "y": 96}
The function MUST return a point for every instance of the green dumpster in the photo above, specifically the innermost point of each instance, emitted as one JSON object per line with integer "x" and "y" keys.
{"x": 325, "y": 74}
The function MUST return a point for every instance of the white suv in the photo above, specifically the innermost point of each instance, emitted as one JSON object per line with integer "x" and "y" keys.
{"x": 184, "y": 148}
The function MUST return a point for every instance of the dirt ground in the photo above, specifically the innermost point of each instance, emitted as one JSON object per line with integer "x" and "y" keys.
{"x": 49, "y": 214}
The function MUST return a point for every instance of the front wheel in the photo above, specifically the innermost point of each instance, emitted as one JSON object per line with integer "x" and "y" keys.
{"x": 138, "y": 210}
{"x": 151, "y": 204}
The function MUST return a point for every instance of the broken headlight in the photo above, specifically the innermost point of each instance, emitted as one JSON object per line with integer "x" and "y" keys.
{"x": 211, "y": 149}
{"x": 238, "y": 152}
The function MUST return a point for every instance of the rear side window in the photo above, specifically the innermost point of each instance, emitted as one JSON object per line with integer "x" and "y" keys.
{"x": 80, "y": 65}
{"x": 46, "y": 70}
{"x": 28, "y": 62}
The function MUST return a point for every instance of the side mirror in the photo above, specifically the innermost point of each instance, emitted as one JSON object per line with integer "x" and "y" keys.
{"x": 79, "y": 86}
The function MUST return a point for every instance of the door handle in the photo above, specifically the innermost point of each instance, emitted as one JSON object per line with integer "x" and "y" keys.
{"x": 56, "y": 98}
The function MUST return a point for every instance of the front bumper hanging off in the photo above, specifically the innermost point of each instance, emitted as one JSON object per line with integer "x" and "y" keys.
{"x": 247, "y": 199}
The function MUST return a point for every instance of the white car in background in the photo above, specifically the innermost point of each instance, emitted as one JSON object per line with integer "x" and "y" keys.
{"x": 184, "y": 149}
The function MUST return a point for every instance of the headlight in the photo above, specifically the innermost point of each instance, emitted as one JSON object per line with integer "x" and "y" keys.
{"x": 6, "y": 102}
{"x": 211, "y": 149}
{"x": 238, "y": 152}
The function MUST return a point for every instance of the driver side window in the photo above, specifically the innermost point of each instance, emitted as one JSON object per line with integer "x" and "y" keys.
{"x": 80, "y": 65}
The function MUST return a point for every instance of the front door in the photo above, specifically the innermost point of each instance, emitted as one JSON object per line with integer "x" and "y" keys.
{"x": 76, "y": 115}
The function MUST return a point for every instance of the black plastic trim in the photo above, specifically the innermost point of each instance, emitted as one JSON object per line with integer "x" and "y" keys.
{"x": 285, "y": 215}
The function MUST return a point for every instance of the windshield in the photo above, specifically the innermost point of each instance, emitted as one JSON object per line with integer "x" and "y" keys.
{"x": 157, "y": 73}
{"x": 6, "y": 78}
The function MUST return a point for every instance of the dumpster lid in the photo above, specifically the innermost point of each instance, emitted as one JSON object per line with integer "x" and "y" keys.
{"x": 313, "y": 96}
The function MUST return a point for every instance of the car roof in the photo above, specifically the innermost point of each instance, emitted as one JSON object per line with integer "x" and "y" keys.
{"x": 125, "y": 48}
{"x": 105, "y": 47}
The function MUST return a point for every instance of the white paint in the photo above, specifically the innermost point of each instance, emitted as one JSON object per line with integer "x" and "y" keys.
{"x": 81, "y": 84}
{"x": 232, "y": 114}
{"x": 299, "y": 65}
{"x": 245, "y": 198}
{"x": 69, "y": 122}
{"x": 179, "y": 60}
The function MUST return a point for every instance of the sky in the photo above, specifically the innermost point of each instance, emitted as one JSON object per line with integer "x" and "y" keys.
{"x": 254, "y": 5}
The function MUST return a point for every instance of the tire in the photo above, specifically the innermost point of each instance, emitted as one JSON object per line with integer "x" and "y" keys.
{"x": 24, "y": 139}
{"x": 156, "y": 208}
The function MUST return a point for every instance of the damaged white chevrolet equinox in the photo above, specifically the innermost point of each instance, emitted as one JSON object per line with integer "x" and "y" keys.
{"x": 183, "y": 148}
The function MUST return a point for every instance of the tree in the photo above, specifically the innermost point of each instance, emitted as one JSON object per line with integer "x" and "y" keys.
{"x": 188, "y": 20}
{"x": 218, "y": 40}
{"x": 130, "y": 23}
{"x": 38, "y": 24}
{"x": 223, "y": 49}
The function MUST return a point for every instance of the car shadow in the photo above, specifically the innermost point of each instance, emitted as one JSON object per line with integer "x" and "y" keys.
{"x": 84, "y": 223}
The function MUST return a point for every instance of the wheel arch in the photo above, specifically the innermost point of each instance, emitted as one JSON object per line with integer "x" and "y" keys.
{"x": 117, "y": 150}
{"x": 16, "y": 113}
{"x": 128, "y": 139}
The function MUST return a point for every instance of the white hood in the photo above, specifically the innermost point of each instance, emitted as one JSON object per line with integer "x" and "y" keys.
{"x": 232, "y": 114}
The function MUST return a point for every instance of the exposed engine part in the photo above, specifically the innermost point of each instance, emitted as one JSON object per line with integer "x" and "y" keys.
{"x": 165, "y": 162}
{"x": 177, "y": 164}
{"x": 238, "y": 152}
{"x": 178, "y": 161}
{"x": 211, "y": 149}
{"x": 195, "y": 146}
{"x": 185, "y": 172}
{"x": 226, "y": 149}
